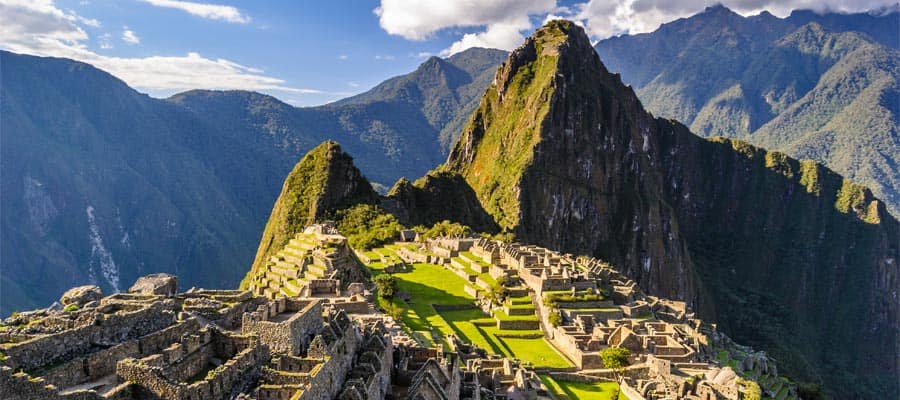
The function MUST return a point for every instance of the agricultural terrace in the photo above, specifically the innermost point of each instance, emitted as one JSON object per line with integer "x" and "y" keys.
{"x": 432, "y": 303}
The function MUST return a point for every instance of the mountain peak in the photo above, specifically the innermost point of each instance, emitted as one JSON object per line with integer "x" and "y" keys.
{"x": 324, "y": 180}
{"x": 553, "y": 69}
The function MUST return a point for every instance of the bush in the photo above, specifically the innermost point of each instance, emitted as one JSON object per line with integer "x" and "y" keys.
{"x": 497, "y": 293}
{"x": 386, "y": 286}
{"x": 367, "y": 226}
{"x": 447, "y": 228}
{"x": 751, "y": 389}
{"x": 552, "y": 299}
{"x": 71, "y": 308}
{"x": 555, "y": 318}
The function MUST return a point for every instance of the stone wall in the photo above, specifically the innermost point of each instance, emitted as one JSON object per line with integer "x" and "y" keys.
{"x": 291, "y": 335}
{"x": 107, "y": 328}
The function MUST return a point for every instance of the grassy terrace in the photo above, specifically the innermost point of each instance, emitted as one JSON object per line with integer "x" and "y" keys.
{"x": 582, "y": 391}
{"x": 429, "y": 284}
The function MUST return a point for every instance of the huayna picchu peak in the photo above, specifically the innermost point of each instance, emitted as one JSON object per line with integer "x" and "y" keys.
{"x": 572, "y": 245}
{"x": 323, "y": 181}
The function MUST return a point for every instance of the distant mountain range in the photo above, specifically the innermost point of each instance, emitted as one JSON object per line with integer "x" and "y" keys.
{"x": 102, "y": 183}
{"x": 822, "y": 87}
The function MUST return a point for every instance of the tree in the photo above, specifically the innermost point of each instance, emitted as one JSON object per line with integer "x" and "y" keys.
{"x": 497, "y": 293}
{"x": 615, "y": 358}
{"x": 386, "y": 286}
{"x": 555, "y": 318}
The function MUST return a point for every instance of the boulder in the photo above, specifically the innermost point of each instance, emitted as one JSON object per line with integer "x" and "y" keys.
{"x": 81, "y": 295}
{"x": 156, "y": 284}
{"x": 725, "y": 376}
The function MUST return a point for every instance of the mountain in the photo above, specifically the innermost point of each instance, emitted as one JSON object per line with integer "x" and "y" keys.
{"x": 103, "y": 184}
{"x": 443, "y": 91}
{"x": 324, "y": 180}
{"x": 784, "y": 255}
{"x": 399, "y": 128}
{"x": 819, "y": 86}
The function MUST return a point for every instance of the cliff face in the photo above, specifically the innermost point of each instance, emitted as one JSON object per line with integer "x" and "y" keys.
{"x": 785, "y": 255}
{"x": 323, "y": 181}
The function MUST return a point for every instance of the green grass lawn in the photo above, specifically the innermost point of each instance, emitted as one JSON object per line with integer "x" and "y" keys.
{"x": 429, "y": 284}
{"x": 475, "y": 327}
{"x": 582, "y": 391}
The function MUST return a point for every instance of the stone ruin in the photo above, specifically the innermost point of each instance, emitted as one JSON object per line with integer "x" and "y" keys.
{"x": 315, "y": 263}
{"x": 673, "y": 353}
{"x": 325, "y": 341}
{"x": 157, "y": 343}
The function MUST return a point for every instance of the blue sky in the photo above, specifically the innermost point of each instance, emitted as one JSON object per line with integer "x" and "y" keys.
{"x": 313, "y": 52}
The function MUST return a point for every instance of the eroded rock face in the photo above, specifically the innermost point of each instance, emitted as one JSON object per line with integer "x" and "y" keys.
{"x": 156, "y": 284}
{"x": 81, "y": 295}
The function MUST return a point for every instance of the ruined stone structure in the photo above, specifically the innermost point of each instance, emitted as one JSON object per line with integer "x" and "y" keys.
{"x": 674, "y": 355}
{"x": 311, "y": 264}
{"x": 328, "y": 342}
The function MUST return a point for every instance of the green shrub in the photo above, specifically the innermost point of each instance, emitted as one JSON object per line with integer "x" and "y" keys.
{"x": 552, "y": 299}
{"x": 446, "y": 228}
{"x": 71, "y": 308}
{"x": 367, "y": 226}
{"x": 555, "y": 318}
{"x": 386, "y": 285}
{"x": 751, "y": 389}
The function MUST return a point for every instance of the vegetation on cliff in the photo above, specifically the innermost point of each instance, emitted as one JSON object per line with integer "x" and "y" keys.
{"x": 323, "y": 182}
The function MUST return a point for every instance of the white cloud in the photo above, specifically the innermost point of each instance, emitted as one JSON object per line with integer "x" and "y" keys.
{"x": 204, "y": 10}
{"x": 38, "y": 27}
{"x": 343, "y": 57}
{"x": 503, "y": 20}
{"x": 129, "y": 36}
{"x": 383, "y": 57}
{"x": 353, "y": 84}
{"x": 105, "y": 41}
{"x": 604, "y": 18}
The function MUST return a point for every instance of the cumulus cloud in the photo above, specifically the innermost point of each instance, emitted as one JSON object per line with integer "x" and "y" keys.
{"x": 503, "y": 20}
{"x": 38, "y": 27}
{"x": 604, "y": 18}
{"x": 129, "y": 36}
{"x": 204, "y": 10}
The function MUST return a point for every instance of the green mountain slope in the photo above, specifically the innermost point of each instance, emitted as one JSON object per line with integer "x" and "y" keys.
{"x": 785, "y": 255}
{"x": 820, "y": 86}
{"x": 323, "y": 181}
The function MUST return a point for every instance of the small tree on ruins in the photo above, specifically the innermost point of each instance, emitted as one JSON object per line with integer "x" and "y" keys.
{"x": 615, "y": 358}
{"x": 386, "y": 286}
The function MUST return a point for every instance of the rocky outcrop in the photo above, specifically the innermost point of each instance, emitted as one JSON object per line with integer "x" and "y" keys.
{"x": 156, "y": 284}
{"x": 785, "y": 255}
{"x": 81, "y": 295}
{"x": 437, "y": 196}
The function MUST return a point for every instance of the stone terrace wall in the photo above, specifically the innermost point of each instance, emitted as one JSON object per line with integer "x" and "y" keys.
{"x": 108, "y": 328}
